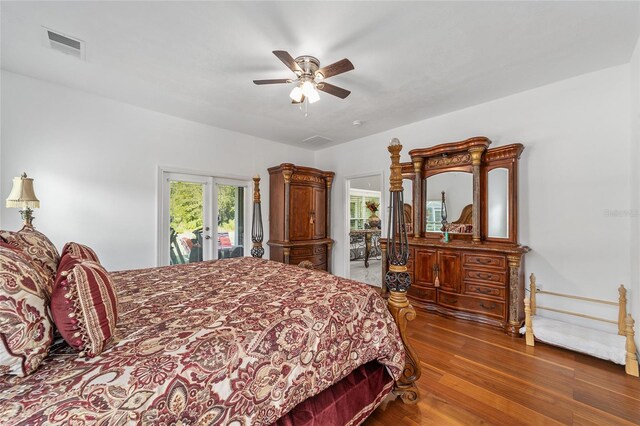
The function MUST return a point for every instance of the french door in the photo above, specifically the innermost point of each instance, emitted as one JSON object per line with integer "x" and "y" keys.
{"x": 202, "y": 218}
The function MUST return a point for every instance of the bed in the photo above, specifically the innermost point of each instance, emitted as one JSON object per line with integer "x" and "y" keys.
{"x": 242, "y": 340}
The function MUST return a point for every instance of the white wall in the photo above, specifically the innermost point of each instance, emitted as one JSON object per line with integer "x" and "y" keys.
{"x": 635, "y": 186}
{"x": 574, "y": 168}
{"x": 95, "y": 162}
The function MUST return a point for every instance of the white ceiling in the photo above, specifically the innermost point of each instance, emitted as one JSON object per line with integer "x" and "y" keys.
{"x": 413, "y": 60}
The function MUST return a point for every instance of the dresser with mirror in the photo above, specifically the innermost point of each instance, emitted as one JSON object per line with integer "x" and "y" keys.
{"x": 464, "y": 257}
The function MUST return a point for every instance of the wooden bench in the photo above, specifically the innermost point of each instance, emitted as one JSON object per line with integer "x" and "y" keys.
{"x": 619, "y": 348}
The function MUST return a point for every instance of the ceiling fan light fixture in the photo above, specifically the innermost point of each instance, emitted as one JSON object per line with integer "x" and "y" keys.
{"x": 296, "y": 94}
{"x": 313, "y": 96}
{"x": 307, "y": 88}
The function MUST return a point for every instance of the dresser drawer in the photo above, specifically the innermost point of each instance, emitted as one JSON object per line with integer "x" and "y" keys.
{"x": 484, "y": 290}
{"x": 302, "y": 251}
{"x": 320, "y": 249}
{"x": 422, "y": 294}
{"x": 472, "y": 304}
{"x": 487, "y": 260}
{"x": 490, "y": 277}
{"x": 315, "y": 259}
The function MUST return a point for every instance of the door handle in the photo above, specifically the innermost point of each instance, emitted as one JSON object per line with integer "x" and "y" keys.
{"x": 436, "y": 272}
{"x": 207, "y": 237}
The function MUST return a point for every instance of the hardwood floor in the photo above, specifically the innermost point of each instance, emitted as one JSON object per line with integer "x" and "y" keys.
{"x": 473, "y": 374}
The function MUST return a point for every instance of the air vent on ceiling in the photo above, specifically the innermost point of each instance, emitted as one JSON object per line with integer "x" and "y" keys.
{"x": 316, "y": 141}
{"x": 63, "y": 43}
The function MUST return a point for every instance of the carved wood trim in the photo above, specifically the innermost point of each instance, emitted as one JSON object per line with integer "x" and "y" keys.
{"x": 451, "y": 147}
{"x": 402, "y": 312}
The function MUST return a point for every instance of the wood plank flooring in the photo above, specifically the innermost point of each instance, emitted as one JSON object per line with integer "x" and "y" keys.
{"x": 473, "y": 374}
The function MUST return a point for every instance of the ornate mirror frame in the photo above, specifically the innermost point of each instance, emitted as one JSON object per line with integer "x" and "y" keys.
{"x": 505, "y": 157}
{"x": 464, "y": 156}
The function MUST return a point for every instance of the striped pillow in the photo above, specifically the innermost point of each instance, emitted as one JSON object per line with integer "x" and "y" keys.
{"x": 26, "y": 331}
{"x": 84, "y": 306}
{"x": 79, "y": 251}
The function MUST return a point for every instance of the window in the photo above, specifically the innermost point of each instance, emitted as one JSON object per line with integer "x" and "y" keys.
{"x": 434, "y": 216}
{"x": 358, "y": 212}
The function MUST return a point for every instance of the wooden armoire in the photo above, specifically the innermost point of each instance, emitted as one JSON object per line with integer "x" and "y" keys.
{"x": 299, "y": 218}
{"x": 476, "y": 272}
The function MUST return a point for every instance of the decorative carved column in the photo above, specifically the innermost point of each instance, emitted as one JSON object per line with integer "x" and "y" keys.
{"x": 417, "y": 197}
{"x": 516, "y": 291}
{"x": 329, "y": 180}
{"x": 257, "y": 232}
{"x": 398, "y": 279}
{"x": 287, "y": 186}
{"x": 476, "y": 157}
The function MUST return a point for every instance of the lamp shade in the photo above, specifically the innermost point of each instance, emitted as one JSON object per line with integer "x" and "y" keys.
{"x": 22, "y": 194}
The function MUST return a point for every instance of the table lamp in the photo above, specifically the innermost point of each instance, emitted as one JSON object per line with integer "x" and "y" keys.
{"x": 23, "y": 197}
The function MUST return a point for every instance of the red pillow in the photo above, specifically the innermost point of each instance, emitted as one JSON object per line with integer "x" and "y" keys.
{"x": 26, "y": 331}
{"x": 80, "y": 251}
{"x": 84, "y": 306}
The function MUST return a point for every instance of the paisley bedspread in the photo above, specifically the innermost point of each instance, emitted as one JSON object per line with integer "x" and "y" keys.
{"x": 237, "y": 341}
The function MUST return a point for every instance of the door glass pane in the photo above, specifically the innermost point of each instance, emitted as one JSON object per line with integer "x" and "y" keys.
{"x": 186, "y": 202}
{"x": 231, "y": 230}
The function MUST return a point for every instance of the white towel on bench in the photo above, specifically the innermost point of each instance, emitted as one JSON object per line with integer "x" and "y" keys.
{"x": 597, "y": 343}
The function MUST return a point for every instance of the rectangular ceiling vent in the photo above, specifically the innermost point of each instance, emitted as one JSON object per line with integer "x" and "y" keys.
{"x": 63, "y": 43}
{"x": 316, "y": 141}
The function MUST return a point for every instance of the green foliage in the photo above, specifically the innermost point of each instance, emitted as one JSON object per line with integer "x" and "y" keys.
{"x": 226, "y": 206}
{"x": 185, "y": 206}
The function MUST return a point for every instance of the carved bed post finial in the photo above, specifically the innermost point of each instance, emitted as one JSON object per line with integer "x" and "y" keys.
{"x": 622, "y": 310}
{"x": 257, "y": 232}
{"x": 398, "y": 279}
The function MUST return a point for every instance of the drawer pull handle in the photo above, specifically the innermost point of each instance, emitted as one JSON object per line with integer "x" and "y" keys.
{"x": 449, "y": 300}
{"x": 490, "y": 307}
{"x": 484, "y": 276}
{"x": 483, "y": 260}
{"x": 483, "y": 290}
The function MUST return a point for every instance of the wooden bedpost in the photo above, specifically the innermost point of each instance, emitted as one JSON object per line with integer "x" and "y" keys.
{"x": 631, "y": 361}
{"x": 256, "y": 226}
{"x": 398, "y": 279}
{"x": 622, "y": 310}
{"x": 532, "y": 293}
{"x": 528, "y": 323}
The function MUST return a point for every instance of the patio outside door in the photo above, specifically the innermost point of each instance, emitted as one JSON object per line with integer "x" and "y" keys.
{"x": 203, "y": 218}
{"x": 187, "y": 219}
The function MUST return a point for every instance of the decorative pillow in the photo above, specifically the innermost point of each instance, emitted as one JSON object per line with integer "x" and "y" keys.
{"x": 46, "y": 282}
{"x": 37, "y": 246}
{"x": 80, "y": 251}
{"x": 26, "y": 331}
{"x": 84, "y": 305}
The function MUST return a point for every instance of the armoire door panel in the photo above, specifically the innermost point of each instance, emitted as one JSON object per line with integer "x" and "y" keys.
{"x": 319, "y": 213}
{"x": 301, "y": 205}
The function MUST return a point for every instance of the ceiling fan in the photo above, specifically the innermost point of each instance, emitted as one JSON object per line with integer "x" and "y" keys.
{"x": 310, "y": 77}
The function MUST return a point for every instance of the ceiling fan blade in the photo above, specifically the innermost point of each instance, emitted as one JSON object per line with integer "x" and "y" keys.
{"x": 335, "y": 68}
{"x": 273, "y": 81}
{"x": 288, "y": 61}
{"x": 333, "y": 90}
{"x": 301, "y": 101}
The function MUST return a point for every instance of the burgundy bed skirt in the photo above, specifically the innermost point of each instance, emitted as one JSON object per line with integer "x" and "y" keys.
{"x": 347, "y": 402}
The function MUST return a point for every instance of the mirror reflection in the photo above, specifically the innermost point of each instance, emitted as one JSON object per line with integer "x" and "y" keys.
{"x": 407, "y": 185}
{"x": 498, "y": 203}
{"x": 455, "y": 214}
